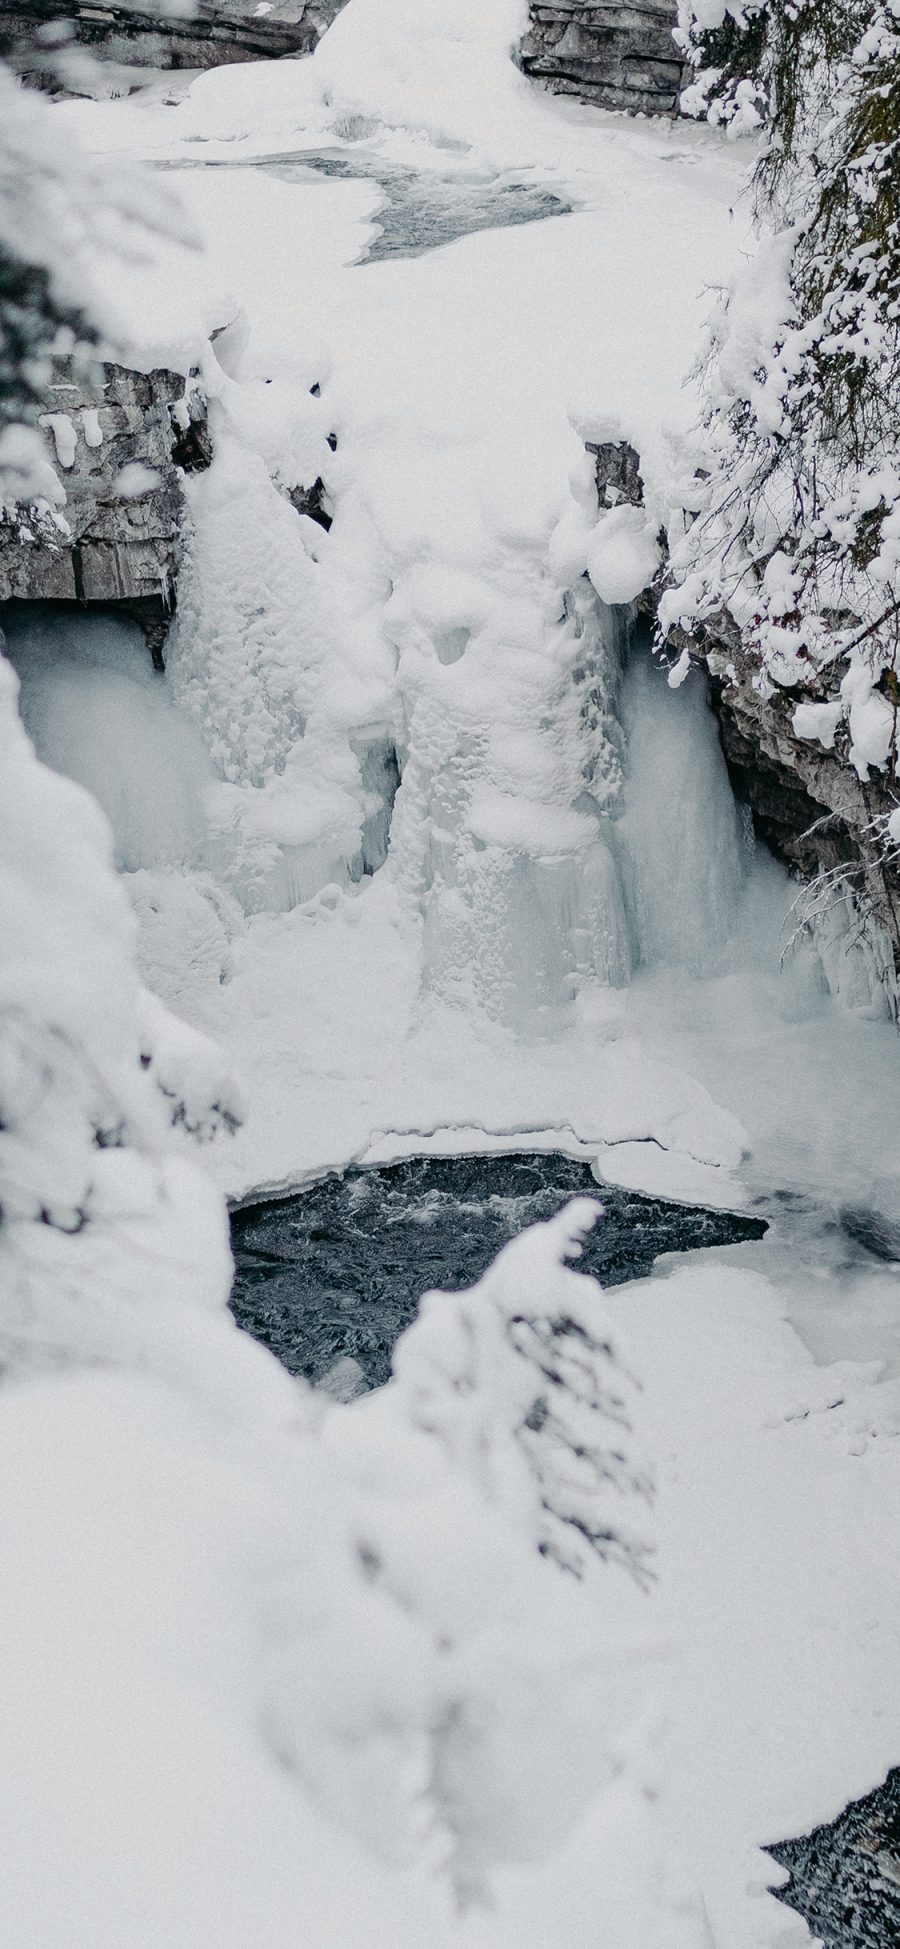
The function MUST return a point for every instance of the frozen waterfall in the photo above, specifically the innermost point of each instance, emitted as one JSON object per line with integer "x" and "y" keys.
{"x": 98, "y": 712}
{"x": 629, "y": 852}
{"x": 680, "y": 843}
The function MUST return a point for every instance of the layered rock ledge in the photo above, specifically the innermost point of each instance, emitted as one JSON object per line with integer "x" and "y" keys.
{"x": 217, "y": 31}
{"x": 613, "y": 55}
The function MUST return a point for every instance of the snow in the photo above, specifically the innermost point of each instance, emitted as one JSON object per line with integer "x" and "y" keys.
{"x": 64, "y": 436}
{"x": 288, "y": 1662}
{"x": 93, "y": 431}
{"x": 818, "y": 722}
{"x": 25, "y": 472}
{"x": 134, "y": 480}
{"x": 623, "y": 555}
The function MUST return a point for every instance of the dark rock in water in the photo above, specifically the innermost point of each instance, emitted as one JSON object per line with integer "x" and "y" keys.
{"x": 336, "y": 1272}
{"x": 845, "y": 1878}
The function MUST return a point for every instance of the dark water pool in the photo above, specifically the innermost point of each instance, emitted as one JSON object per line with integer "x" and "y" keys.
{"x": 845, "y": 1878}
{"x": 336, "y": 1272}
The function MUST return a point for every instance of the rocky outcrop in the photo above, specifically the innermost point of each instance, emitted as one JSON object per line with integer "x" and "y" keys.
{"x": 808, "y": 805}
{"x": 617, "y": 468}
{"x": 614, "y": 55}
{"x": 119, "y": 441}
{"x": 217, "y": 31}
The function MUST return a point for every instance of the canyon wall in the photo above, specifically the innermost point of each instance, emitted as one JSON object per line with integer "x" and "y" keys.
{"x": 809, "y": 806}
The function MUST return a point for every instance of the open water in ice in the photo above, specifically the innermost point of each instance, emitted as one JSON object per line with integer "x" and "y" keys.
{"x": 335, "y": 1273}
{"x": 419, "y": 212}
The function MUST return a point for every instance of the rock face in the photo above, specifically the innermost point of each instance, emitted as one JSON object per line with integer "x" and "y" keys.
{"x": 614, "y": 55}
{"x": 218, "y": 31}
{"x": 808, "y": 805}
{"x": 110, "y": 546}
{"x": 618, "y": 471}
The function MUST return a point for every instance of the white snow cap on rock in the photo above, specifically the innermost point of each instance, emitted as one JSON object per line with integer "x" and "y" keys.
{"x": 818, "y": 722}
{"x": 623, "y": 554}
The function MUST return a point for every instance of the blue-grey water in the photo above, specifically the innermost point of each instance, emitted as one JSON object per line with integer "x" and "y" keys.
{"x": 419, "y": 212}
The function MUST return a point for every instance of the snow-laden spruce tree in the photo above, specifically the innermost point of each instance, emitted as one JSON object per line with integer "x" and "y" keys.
{"x": 791, "y": 486}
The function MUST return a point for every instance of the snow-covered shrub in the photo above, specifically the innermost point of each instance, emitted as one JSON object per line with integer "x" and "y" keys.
{"x": 520, "y": 1384}
{"x": 791, "y": 485}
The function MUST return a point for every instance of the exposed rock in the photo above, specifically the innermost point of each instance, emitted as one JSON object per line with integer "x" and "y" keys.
{"x": 312, "y": 501}
{"x": 618, "y": 469}
{"x": 614, "y": 55}
{"x": 218, "y": 31}
{"x": 109, "y": 546}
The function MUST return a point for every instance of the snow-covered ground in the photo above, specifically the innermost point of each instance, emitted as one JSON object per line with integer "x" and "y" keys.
{"x": 570, "y": 935}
